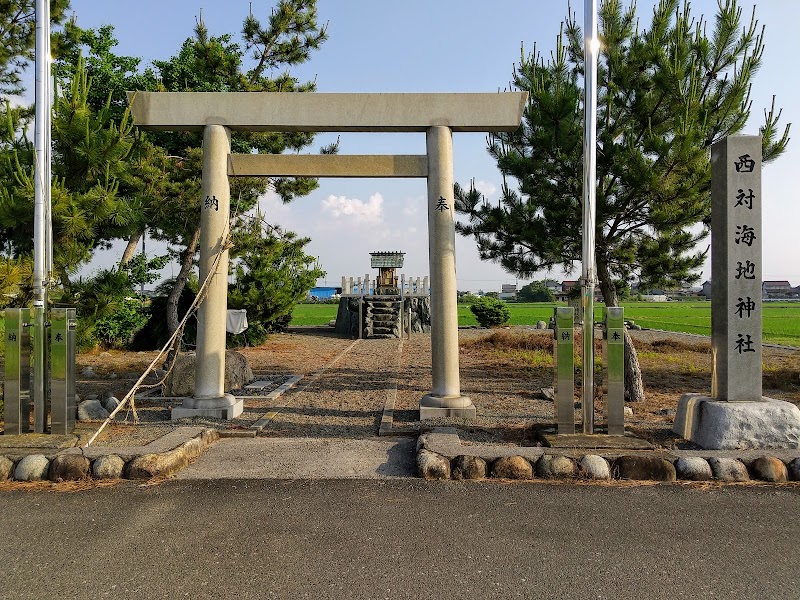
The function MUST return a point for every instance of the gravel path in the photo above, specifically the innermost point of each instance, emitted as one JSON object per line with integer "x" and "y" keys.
{"x": 346, "y": 400}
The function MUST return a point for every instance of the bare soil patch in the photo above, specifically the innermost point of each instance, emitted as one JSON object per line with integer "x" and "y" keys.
{"x": 502, "y": 371}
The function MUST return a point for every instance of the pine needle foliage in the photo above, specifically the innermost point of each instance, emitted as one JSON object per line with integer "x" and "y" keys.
{"x": 666, "y": 93}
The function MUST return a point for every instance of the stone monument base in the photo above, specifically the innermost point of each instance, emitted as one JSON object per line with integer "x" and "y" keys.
{"x": 225, "y": 407}
{"x": 446, "y": 407}
{"x": 719, "y": 425}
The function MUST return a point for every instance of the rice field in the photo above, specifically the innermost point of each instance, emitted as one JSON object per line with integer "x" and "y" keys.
{"x": 781, "y": 320}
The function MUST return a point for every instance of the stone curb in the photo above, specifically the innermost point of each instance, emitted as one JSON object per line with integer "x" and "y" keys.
{"x": 441, "y": 448}
{"x": 161, "y": 458}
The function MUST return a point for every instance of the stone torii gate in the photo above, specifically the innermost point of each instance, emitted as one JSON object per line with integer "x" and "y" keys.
{"x": 216, "y": 114}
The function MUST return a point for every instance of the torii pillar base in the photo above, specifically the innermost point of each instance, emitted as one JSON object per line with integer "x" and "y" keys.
{"x": 225, "y": 407}
{"x": 446, "y": 407}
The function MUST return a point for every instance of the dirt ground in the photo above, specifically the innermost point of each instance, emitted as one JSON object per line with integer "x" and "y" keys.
{"x": 346, "y": 384}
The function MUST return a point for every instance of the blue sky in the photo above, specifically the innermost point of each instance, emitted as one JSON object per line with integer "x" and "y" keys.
{"x": 440, "y": 46}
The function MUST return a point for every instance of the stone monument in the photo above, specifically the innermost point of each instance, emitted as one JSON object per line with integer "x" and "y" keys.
{"x": 736, "y": 415}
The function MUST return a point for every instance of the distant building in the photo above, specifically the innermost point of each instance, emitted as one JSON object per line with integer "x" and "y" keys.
{"x": 654, "y": 297}
{"x": 776, "y": 289}
{"x": 324, "y": 293}
{"x": 552, "y": 285}
{"x": 508, "y": 291}
{"x": 705, "y": 290}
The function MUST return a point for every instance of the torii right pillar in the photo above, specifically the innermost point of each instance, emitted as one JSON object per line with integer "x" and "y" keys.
{"x": 445, "y": 399}
{"x": 736, "y": 415}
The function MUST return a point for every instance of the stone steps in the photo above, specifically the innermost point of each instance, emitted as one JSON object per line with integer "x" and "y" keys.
{"x": 382, "y": 317}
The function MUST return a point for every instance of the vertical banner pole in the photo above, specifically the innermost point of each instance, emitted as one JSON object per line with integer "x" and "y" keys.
{"x": 40, "y": 227}
{"x": 591, "y": 48}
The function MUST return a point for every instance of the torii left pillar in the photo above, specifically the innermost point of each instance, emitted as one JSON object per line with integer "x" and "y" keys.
{"x": 210, "y": 399}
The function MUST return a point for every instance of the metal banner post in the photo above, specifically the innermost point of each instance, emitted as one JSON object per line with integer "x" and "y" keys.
{"x": 615, "y": 359}
{"x": 588, "y": 277}
{"x": 18, "y": 371}
{"x": 565, "y": 369}
{"x": 62, "y": 365}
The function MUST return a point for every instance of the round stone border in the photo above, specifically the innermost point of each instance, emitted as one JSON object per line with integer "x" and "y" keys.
{"x": 431, "y": 465}
{"x": 440, "y": 455}
{"x": 108, "y": 466}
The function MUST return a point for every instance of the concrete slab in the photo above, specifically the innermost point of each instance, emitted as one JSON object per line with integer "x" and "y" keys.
{"x": 586, "y": 441}
{"x": 305, "y": 458}
{"x": 258, "y": 385}
{"x": 165, "y": 443}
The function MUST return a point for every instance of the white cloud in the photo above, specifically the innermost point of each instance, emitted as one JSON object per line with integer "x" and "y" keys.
{"x": 485, "y": 187}
{"x": 354, "y": 210}
{"x": 412, "y": 206}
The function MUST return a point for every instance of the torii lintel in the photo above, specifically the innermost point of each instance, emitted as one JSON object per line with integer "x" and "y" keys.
{"x": 313, "y": 112}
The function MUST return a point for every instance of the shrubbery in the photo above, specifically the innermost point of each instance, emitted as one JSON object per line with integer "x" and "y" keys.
{"x": 490, "y": 312}
{"x": 116, "y": 330}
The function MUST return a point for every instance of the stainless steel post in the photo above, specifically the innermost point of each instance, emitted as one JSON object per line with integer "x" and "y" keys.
{"x": 565, "y": 369}
{"x": 41, "y": 127}
{"x": 361, "y": 308}
{"x": 17, "y": 371}
{"x": 62, "y": 348}
{"x": 615, "y": 361}
{"x": 591, "y": 47}
{"x": 402, "y": 303}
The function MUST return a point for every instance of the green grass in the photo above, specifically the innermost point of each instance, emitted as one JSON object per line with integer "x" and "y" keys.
{"x": 781, "y": 320}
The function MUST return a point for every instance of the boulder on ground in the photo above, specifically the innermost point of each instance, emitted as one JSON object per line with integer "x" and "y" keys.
{"x": 92, "y": 410}
{"x": 728, "y": 469}
{"x": 109, "y": 466}
{"x": 6, "y": 468}
{"x": 593, "y": 466}
{"x": 180, "y": 381}
{"x": 68, "y": 467}
{"x": 164, "y": 464}
{"x": 650, "y": 468}
{"x": 693, "y": 468}
{"x": 468, "y": 467}
{"x": 512, "y": 467}
{"x": 32, "y": 468}
{"x": 111, "y": 404}
{"x": 432, "y": 466}
{"x": 555, "y": 467}
{"x": 548, "y": 393}
{"x": 769, "y": 468}
{"x": 541, "y": 325}
{"x": 793, "y": 469}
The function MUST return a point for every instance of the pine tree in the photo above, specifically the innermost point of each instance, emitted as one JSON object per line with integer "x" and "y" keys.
{"x": 90, "y": 150}
{"x": 665, "y": 95}
{"x": 18, "y": 40}
{"x": 272, "y": 271}
{"x": 165, "y": 177}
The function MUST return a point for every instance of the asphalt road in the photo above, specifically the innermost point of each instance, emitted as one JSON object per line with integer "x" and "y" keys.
{"x": 399, "y": 539}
